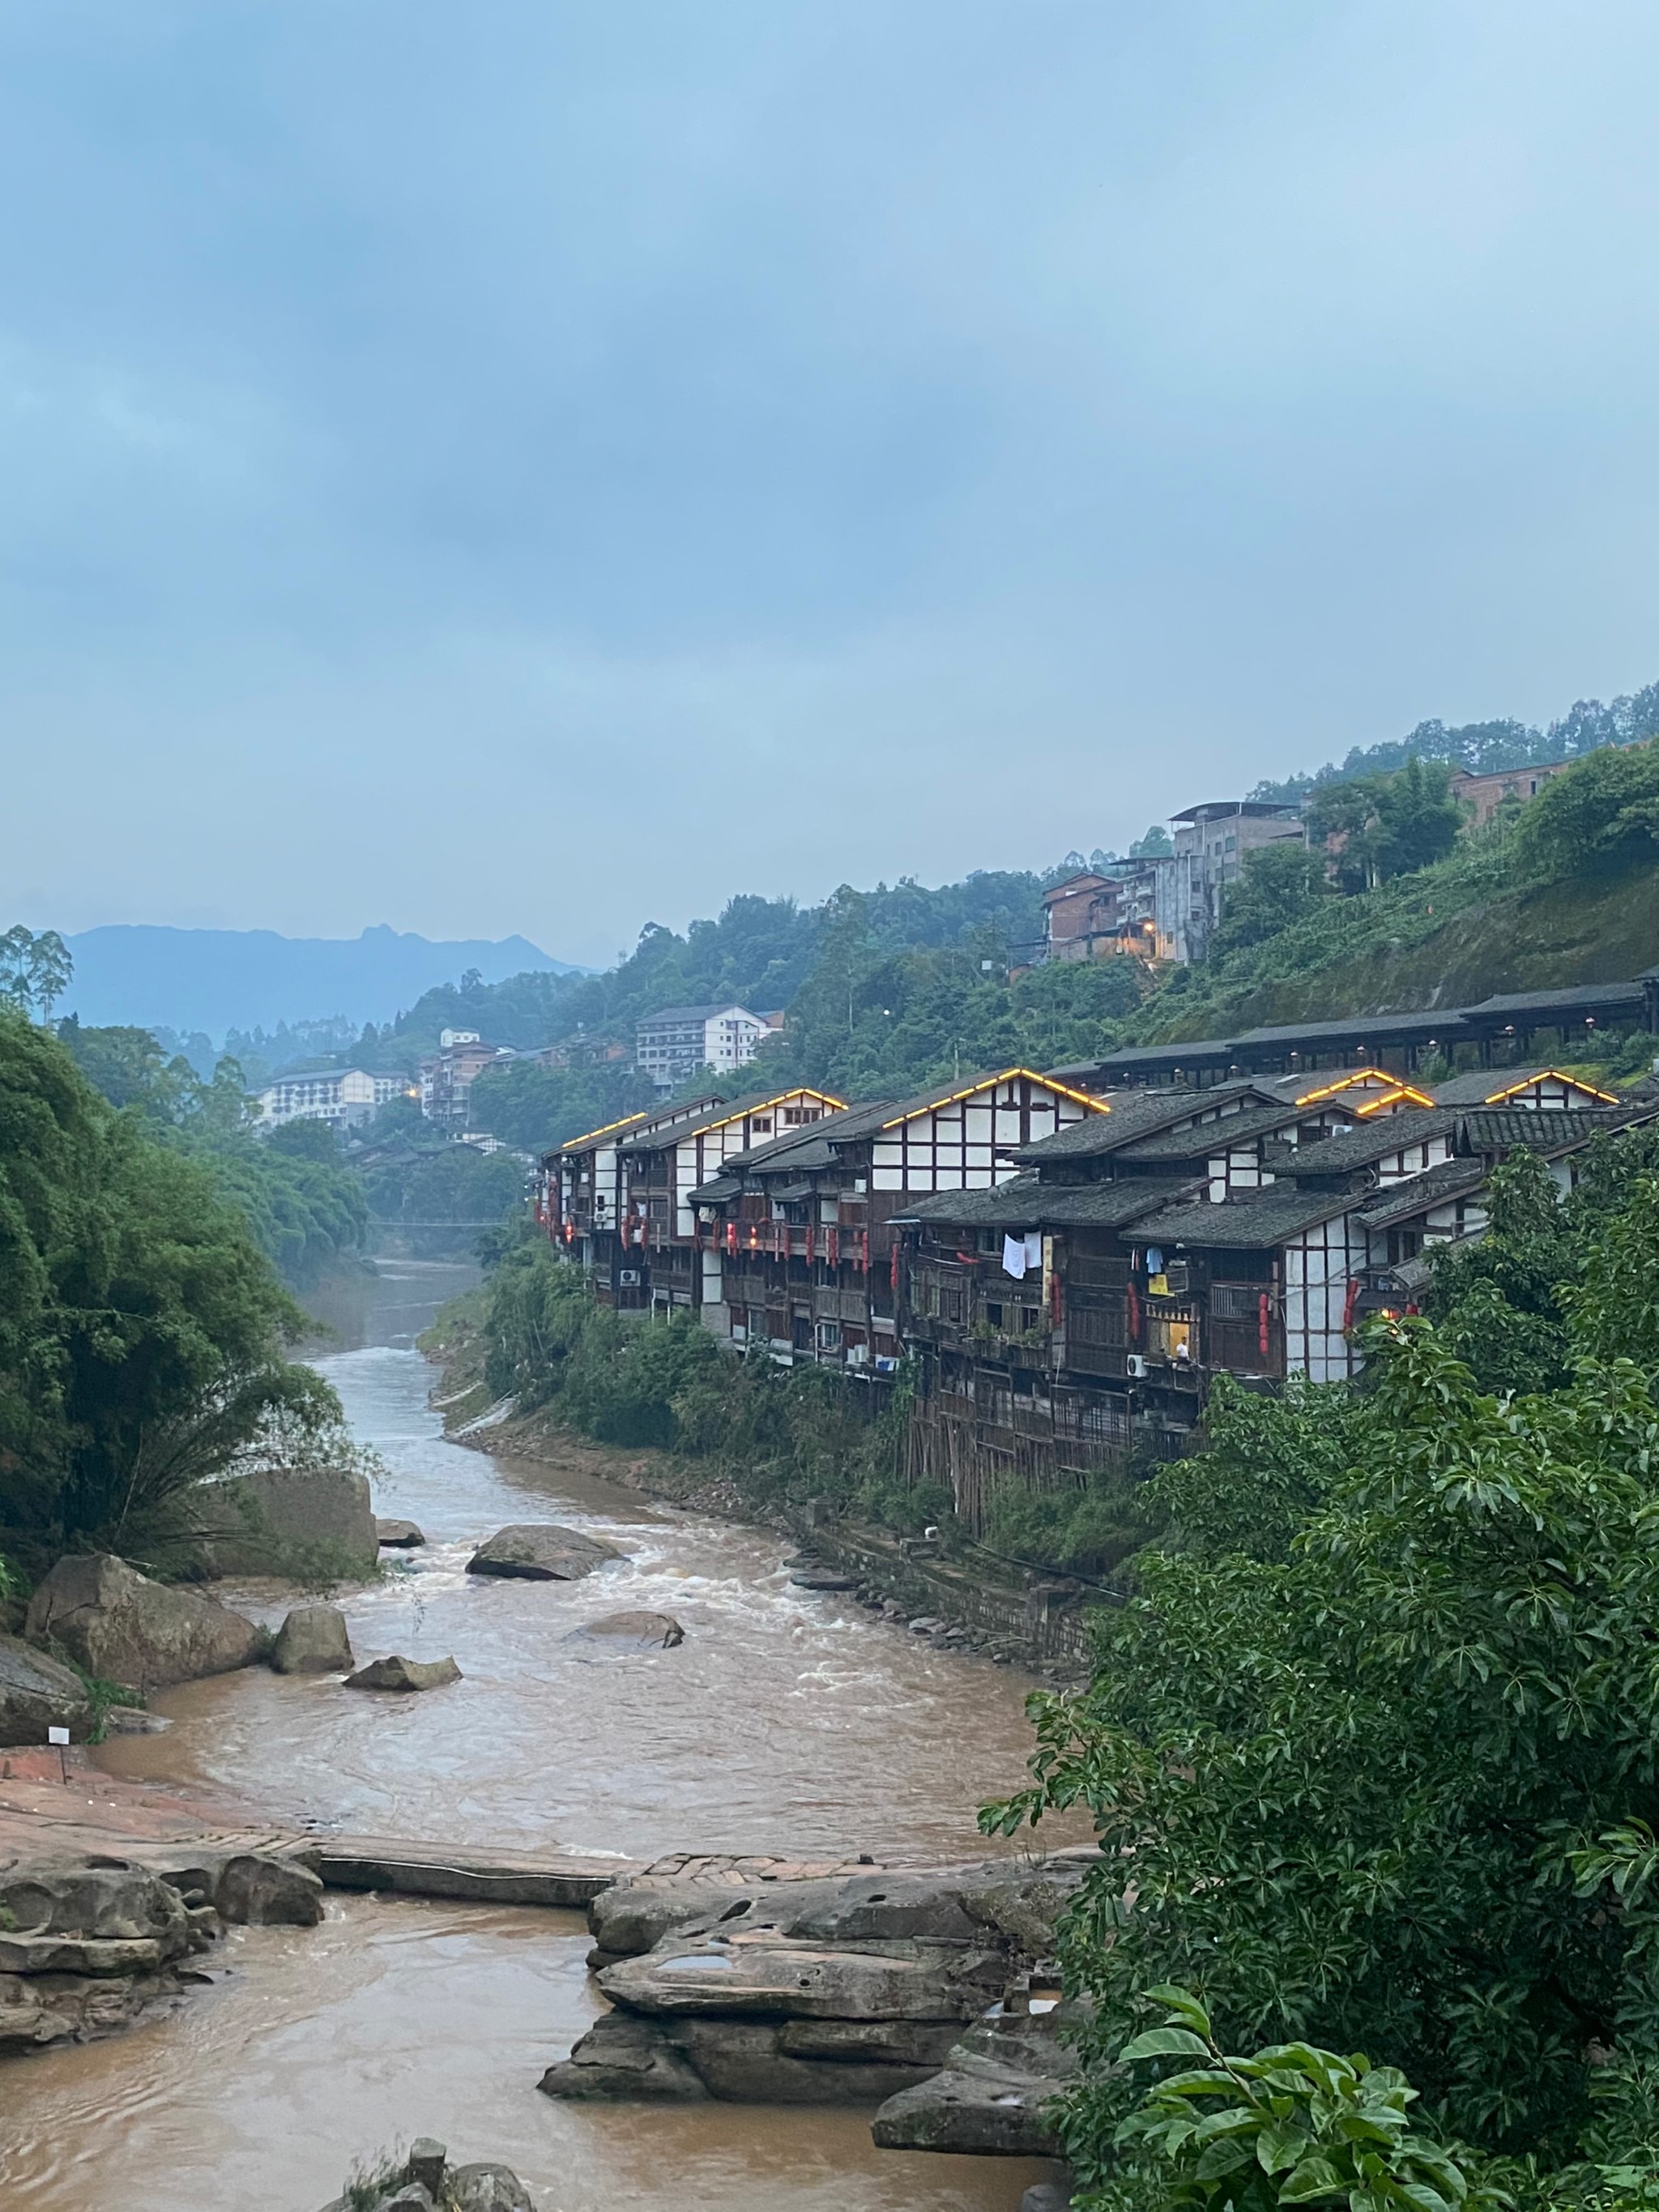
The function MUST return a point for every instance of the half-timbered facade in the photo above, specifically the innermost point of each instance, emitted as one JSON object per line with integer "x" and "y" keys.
{"x": 1087, "y": 1304}
{"x": 797, "y": 1230}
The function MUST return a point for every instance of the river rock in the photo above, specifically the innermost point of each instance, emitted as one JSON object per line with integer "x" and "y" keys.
{"x": 89, "y": 1915}
{"x": 823, "y": 1578}
{"x": 1047, "y": 2197}
{"x": 300, "y": 1522}
{"x": 763, "y": 1974}
{"x": 990, "y": 2098}
{"x": 125, "y": 1628}
{"x": 38, "y": 1693}
{"x": 399, "y": 1536}
{"x": 621, "y": 2056}
{"x": 398, "y": 1673}
{"x": 645, "y": 1631}
{"x": 312, "y": 1640}
{"x": 484, "y": 2187}
{"x": 541, "y": 1551}
{"x": 257, "y": 1889}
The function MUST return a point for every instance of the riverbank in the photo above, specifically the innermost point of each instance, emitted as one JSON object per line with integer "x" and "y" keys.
{"x": 782, "y": 1726}
{"x": 1014, "y": 1614}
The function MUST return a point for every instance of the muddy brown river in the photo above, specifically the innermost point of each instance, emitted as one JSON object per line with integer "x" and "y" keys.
{"x": 786, "y": 1722}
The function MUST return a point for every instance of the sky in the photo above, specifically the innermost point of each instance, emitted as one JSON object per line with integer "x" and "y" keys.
{"x": 545, "y": 468}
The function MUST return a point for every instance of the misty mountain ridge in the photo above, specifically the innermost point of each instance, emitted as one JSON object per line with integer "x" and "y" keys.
{"x": 213, "y": 980}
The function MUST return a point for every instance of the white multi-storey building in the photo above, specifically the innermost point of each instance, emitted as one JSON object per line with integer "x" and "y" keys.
{"x": 337, "y": 1095}
{"x": 671, "y": 1045}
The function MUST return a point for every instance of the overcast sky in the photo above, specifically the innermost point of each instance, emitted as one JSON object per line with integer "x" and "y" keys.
{"x": 539, "y": 467}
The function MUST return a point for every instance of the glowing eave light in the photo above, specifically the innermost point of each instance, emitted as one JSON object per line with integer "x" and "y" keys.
{"x": 989, "y": 1083}
{"x": 1551, "y": 1075}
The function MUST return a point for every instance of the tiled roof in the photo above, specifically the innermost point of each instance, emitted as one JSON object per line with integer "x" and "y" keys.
{"x": 1364, "y": 1147}
{"x": 1028, "y": 1203}
{"x": 1249, "y": 1220}
{"x": 693, "y": 1013}
{"x": 810, "y": 1147}
{"x": 1566, "y": 1001}
{"x": 1399, "y": 1200}
{"x": 1131, "y": 1116}
{"x": 1484, "y": 1086}
{"x": 1209, "y": 1136}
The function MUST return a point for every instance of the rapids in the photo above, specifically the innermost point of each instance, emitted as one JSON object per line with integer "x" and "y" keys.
{"x": 786, "y": 1722}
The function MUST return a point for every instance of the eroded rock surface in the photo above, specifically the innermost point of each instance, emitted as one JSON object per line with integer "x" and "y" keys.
{"x": 833, "y": 1990}
{"x": 288, "y": 1521}
{"x": 312, "y": 1640}
{"x": 120, "y": 1625}
{"x": 991, "y": 2096}
{"x": 85, "y": 1944}
{"x": 398, "y": 1673}
{"x": 38, "y": 1693}
{"x": 543, "y": 1552}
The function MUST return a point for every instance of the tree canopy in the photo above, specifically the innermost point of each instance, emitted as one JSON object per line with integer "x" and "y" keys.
{"x": 141, "y": 1327}
{"x": 1373, "y": 1749}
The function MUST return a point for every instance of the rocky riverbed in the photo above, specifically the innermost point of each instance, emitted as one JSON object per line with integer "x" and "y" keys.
{"x": 784, "y": 1721}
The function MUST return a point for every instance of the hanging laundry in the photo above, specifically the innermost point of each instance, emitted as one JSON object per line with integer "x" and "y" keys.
{"x": 1013, "y": 1257}
{"x": 1033, "y": 1251}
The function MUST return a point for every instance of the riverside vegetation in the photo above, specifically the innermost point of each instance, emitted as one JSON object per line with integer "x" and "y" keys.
{"x": 1372, "y": 1750}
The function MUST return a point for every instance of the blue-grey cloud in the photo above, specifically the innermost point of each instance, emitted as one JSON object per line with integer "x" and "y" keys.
{"x": 539, "y": 468}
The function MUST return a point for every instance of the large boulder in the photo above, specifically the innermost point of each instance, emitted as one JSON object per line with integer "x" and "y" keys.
{"x": 38, "y": 1693}
{"x": 623, "y": 2056}
{"x": 400, "y": 1674}
{"x": 123, "y": 1628}
{"x": 428, "y": 2181}
{"x": 300, "y": 1523}
{"x": 97, "y": 1916}
{"x": 636, "y": 1631}
{"x": 255, "y": 1889}
{"x": 312, "y": 1640}
{"x": 541, "y": 1551}
{"x": 487, "y": 2187}
{"x": 994, "y": 2096}
{"x": 399, "y": 1536}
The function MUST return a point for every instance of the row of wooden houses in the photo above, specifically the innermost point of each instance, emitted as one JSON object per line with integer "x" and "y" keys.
{"x": 1067, "y": 1269}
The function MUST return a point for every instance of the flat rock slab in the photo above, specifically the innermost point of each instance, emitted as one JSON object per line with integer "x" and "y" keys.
{"x": 541, "y": 1551}
{"x": 399, "y": 1536}
{"x": 760, "y": 1973}
{"x": 641, "y": 1632}
{"x": 398, "y": 1673}
{"x": 998, "y": 2114}
{"x": 823, "y": 1578}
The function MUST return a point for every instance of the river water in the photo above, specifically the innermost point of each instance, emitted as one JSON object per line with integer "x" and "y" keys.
{"x": 786, "y": 1722}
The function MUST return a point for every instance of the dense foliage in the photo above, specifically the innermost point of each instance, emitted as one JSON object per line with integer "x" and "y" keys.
{"x": 304, "y": 1205}
{"x": 141, "y": 1328}
{"x": 1384, "y": 826}
{"x": 535, "y": 1107}
{"x": 779, "y": 1435}
{"x": 1373, "y": 1747}
{"x": 1489, "y": 748}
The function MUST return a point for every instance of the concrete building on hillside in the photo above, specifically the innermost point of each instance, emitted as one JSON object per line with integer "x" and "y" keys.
{"x": 447, "y": 1080}
{"x": 339, "y": 1095}
{"x": 674, "y": 1044}
{"x": 1485, "y": 794}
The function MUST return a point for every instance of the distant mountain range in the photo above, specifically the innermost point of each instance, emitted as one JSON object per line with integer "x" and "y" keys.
{"x": 217, "y": 979}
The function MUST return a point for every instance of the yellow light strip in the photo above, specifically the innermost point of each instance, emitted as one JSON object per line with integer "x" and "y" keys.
{"x": 576, "y": 1144}
{"x": 1392, "y": 1098}
{"x": 767, "y": 1105}
{"x": 1550, "y": 1075}
{"x": 951, "y": 1099}
{"x": 1359, "y": 1077}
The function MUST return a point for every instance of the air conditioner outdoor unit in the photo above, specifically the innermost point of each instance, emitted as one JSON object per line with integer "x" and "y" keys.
{"x": 628, "y": 1278}
{"x": 1136, "y": 1366}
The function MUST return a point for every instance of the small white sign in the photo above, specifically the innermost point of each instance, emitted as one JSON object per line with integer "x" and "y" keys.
{"x": 57, "y": 1736}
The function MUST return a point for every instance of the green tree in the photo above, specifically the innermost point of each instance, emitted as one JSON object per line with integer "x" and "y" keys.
{"x": 1154, "y": 845}
{"x": 141, "y": 1329}
{"x": 1280, "y": 884}
{"x": 1343, "y": 1787}
{"x": 1601, "y": 814}
{"x": 34, "y": 971}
